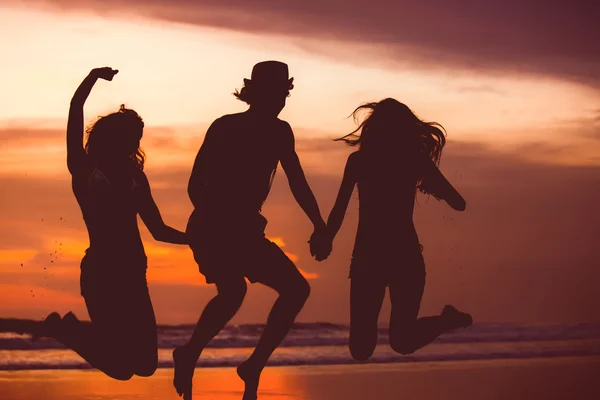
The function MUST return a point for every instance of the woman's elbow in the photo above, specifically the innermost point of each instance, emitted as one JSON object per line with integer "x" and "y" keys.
{"x": 460, "y": 205}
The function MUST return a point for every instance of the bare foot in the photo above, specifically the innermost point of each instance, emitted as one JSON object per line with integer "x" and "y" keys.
{"x": 49, "y": 327}
{"x": 250, "y": 375}
{"x": 184, "y": 372}
{"x": 69, "y": 329}
{"x": 70, "y": 318}
{"x": 455, "y": 319}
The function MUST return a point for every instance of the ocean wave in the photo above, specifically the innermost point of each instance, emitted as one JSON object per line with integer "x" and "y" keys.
{"x": 324, "y": 355}
{"x": 326, "y": 334}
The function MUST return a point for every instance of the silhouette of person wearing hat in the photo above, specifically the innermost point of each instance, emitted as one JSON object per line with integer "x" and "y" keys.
{"x": 230, "y": 181}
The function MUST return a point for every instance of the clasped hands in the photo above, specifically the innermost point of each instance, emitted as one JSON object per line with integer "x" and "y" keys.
{"x": 321, "y": 243}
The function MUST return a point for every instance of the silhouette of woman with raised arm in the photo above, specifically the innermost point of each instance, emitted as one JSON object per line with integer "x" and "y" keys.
{"x": 230, "y": 181}
{"x": 398, "y": 153}
{"x": 111, "y": 189}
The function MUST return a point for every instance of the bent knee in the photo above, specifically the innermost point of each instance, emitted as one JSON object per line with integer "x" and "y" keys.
{"x": 120, "y": 371}
{"x": 121, "y": 375}
{"x": 135, "y": 358}
{"x": 296, "y": 291}
{"x": 146, "y": 369}
{"x": 403, "y": 345}
{"x": 300, "y": 290}
{"x": 145, "y": 362}
{"x": 362, "y": 343}
{"x": 361, "y": 352}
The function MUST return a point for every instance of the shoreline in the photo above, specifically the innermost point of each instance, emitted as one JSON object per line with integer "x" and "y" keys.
{"x": 383, "y": 356}
{"x": 515, "y": 379}
{"x": 375, "y": 366}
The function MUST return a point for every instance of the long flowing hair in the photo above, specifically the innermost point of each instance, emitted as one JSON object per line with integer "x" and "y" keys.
{"x": 113, "y": 130}
{"x": 389, "y": 123}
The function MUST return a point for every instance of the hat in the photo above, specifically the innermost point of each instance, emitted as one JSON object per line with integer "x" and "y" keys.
{"x": 272, "y": 74}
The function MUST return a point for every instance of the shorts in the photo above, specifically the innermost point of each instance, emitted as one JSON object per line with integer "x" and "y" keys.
{"x": 387, "y": 267}
{"x": 251, "y": 256}
{"x": 102, "y": 276}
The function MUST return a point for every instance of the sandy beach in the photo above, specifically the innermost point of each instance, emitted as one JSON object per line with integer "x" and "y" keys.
{"x": 548, "y": 378}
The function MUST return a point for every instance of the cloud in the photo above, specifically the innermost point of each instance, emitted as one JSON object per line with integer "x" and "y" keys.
{"x": 44, "y": 148}
{"x": 26, "y": 135}
{"x": 28, "y": 296}
{"x": 479, "y": 89}
{"x": 555, "y": 38}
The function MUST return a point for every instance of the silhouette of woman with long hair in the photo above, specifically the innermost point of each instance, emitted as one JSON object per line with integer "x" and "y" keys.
{"x": 398, "y": 154}
{"x": 230, "y": 181}
{"x": 111, "y": 188}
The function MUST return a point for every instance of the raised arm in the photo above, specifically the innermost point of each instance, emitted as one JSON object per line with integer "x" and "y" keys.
{"x": 198, "y": 179}
{"x": 334, "y": 222}
{"x": 76, "y": 155}
{"x": 151, "y": 215}
{"x": 435, "y": 183}
{"x": 298, "y": 184}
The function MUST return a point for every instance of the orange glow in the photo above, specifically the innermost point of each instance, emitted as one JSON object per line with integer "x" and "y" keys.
{"x": 293, "y": 257}
{"x": 213, "y": 383}
{"x": 172, "y": 265}
{"x": 278, "y": 241}
{"x": 308, "y": 275}
{"x": 180, "y": 79}
{"x": 31, "y": 296}
{"x": 16, "y": 256}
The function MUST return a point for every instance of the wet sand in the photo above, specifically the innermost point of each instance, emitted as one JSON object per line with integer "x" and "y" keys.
{"x": 548, "y": 378}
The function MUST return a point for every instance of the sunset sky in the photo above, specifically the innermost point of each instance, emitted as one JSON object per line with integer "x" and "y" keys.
{"x": 516, "y": 87}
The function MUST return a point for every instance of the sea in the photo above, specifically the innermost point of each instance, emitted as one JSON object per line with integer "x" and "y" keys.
{"x": 327, "y": 344}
